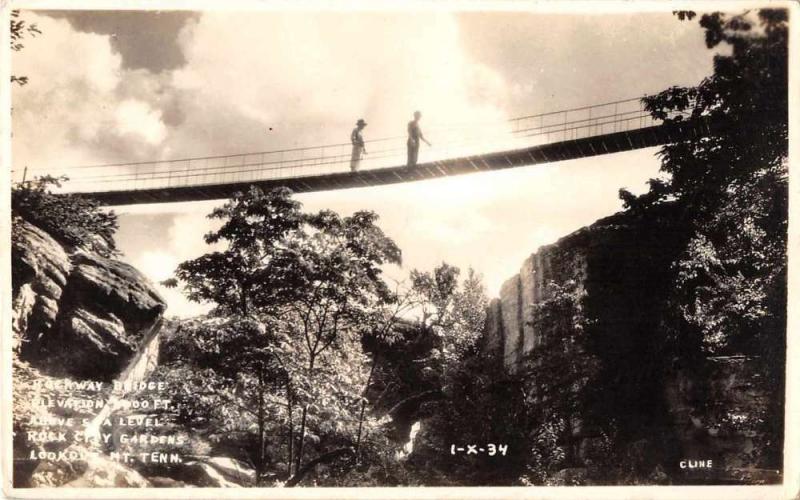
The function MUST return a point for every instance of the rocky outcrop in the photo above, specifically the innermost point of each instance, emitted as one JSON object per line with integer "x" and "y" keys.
{"x": 621, "y": 268}
{"x": 216, "y": 472}
{"x": 77, "y": 313}
{"x": 39, "y": 271}
{"x": 616, "y": 262}
{"x": 717, "y": 417}
{"x": 94, "y": 470}
{"x": 104, "y": 473}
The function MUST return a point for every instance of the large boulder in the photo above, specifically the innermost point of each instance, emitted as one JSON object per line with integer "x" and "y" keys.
{"x": 205, "y": 475}
{"x": 91, "y": 470}
{"x": 102, "y": 472}
{"x": 39, "y": 271}
{"x": 168, "y": 482}
{"x": 232, "y": 469}
{"x": 77, "y": 313}
{"x": 117, "y": 287}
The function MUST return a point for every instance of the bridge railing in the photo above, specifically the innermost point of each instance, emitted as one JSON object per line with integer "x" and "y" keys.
{"x": 450, "y": 142}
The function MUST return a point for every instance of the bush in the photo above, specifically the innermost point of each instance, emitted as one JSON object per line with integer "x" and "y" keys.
{"x": 72, "y": 219}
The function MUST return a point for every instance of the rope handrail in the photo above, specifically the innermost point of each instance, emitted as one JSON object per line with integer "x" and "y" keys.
{"x": 332, "y": 145}
{"x": 582, "y": 108}
{"x": 338, "y": 158}
{"x": 451, "y": 143}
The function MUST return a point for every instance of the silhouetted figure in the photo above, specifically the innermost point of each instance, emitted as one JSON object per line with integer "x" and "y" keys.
{"x": 358, "y": 145}
{"x": 414, "y": 136}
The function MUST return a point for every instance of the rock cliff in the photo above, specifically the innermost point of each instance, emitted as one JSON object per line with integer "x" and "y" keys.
{"x": 76, "y": 313}
{"x": 621, "y": 267}
{"x": 620, "y": 263}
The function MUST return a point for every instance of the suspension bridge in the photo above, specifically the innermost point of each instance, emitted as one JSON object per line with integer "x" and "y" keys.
{"x": 553, "y": 136}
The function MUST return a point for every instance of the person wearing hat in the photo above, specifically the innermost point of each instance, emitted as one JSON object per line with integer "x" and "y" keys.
{"x": 358, "y": 145}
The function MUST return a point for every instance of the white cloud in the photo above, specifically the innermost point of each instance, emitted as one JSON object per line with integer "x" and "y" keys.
{"x": 308, "y": 77}
{"x": 138, "y": 118}
{"x": 63, "y": 104}
{"x": 73, "y": 111}
{"x": 156, "y": 264}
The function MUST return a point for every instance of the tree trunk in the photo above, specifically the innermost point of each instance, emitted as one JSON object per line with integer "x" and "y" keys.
{"x": 302, "y": 440}
{"x": 312, "y": 356}
{"x": 364, "y": 407}
{"x": 243, "y": 298}
{"x": 301, "y": 444}
{"x": 291, "y": 429}
{"x": 569, "y": 455}
{"x": 261, "y": 457}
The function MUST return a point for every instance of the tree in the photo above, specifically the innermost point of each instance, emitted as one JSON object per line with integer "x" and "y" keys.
{"x": 226, "y": 376}
{"x": 255, "y": 273}
{"x": 732, "y": 186}
{"x": 473, "y": 400}
{"x": 383, "y": 333}
{"x": 747, "y": 101}
{"x": 313, "y": 284}
{"x": 456, "y": 315}
{"x": 341, "y": 285}
{"x": 249, "y": 282}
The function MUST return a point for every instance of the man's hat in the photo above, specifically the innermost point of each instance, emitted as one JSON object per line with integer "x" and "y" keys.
{"x": 361, "y": 122}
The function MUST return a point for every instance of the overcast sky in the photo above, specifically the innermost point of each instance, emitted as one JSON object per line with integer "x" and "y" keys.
{"x": 117, "y": 86}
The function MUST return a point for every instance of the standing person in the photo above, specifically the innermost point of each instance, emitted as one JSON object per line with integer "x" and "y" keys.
{"x": 358, "y": 145}
{"x": 414, "y": 136}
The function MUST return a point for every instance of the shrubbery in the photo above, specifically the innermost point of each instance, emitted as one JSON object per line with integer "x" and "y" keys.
{"x": 72, "y": 219}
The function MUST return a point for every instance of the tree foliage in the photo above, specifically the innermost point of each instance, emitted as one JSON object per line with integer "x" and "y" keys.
{"x": 294, "y": 295}
{"x": 453, "y": 311}
{"x": 465, "y": 395}
{"x": 19, "y": 30}
{"x": 589, "y": 402}
{"x": 559, "y": 373}
{"x": 71, "y": 219}
{"x": 745, "y": 100}
{"x": 732, "y": 186}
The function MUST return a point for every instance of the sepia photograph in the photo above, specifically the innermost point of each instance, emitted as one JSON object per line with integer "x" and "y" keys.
{"x": 412, "y": 246}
